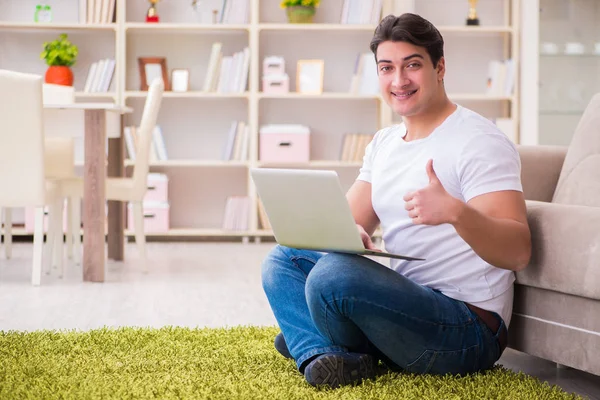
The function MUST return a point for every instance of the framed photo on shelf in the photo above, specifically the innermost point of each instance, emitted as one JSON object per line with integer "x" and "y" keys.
{"x": 151, "y": 68}
{"x": 180, "y": 80}
{"x": 309, "y": 76}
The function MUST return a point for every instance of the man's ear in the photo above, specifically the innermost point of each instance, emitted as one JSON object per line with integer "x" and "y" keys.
{"x": 441, "y": 68}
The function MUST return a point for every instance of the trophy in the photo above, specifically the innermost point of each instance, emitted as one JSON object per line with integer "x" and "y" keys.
{"x": 151, "y": 15}
{"x": 472, "y": 19}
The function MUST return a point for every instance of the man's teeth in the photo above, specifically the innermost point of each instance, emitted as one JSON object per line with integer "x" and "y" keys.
{"x": 403, "y": 94}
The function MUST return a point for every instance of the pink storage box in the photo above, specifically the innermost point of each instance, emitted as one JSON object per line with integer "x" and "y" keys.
{"x": 273, "y": 65}
{"x": 156, "y": 217}
{"x": 30, "y": 219}
{"x": 158, "y": 188}
{"x": 276, "y": 84}
{"x": 284, "y": 143}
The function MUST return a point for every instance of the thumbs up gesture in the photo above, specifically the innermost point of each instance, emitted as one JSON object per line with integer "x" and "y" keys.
{"x": 431, "y": 205}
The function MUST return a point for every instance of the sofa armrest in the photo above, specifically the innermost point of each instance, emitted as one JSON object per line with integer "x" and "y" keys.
{"x": 565, "y": 249}
{"x": 540, "y": 169}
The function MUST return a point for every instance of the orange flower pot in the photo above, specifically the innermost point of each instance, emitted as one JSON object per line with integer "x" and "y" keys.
{"x": 59, "y": 75}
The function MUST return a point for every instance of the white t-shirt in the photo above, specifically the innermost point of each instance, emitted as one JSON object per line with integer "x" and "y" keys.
{"x": 471, "y": 156}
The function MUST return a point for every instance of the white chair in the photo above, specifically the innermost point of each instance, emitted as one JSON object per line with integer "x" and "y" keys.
{"x": 131, "y": 189}
{"x": 22, "y": 170}
{"x": 59, "y": 162}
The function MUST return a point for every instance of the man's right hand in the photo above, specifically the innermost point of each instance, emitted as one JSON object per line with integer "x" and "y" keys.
{"x": 366, "y": 239}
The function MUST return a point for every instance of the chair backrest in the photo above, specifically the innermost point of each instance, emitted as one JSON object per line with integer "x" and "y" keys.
{"x": 579, "y": 180}
{"x": 59, "y": 151}
{"x": 144, "y": 139}
{"x": 22, "y": 175}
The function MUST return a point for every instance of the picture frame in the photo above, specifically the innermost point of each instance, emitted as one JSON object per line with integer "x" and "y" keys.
{"x": 150, "y": 68}
{"x": 180, "y": 80}
{"x": 309, "y": 76}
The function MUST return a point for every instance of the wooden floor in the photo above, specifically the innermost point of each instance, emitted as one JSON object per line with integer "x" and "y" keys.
{"x": 188, "y": 284}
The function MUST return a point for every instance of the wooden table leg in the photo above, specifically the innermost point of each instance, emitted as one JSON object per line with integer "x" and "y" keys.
{"x": 94, "y": 195}
{"x": 116, "y": 209}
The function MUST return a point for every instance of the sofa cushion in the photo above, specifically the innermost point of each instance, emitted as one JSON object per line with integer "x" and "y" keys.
{"x": 565, "y": 249}
{"x": 579, "y": 181}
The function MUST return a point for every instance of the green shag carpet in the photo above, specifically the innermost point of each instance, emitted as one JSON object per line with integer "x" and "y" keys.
{"x": 236, "y": 363}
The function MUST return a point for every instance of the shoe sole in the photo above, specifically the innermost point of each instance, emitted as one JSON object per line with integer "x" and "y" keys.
{"x": 338, "y": 371}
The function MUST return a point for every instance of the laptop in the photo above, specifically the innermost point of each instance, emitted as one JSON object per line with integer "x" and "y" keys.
{"x": 308, "y": 209}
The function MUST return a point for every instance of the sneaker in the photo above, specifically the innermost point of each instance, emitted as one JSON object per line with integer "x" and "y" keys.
{"x": 339, "y": 369}
{"x": 281, "y": 346}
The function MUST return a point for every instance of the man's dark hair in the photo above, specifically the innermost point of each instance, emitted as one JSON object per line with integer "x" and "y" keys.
{"x": 410, "y": 28}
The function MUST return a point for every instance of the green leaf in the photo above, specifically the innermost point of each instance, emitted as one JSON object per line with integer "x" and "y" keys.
{"x": 60, "y": 51}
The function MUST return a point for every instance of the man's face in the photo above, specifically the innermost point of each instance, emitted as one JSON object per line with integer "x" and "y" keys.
{"x": 407, "y": 78}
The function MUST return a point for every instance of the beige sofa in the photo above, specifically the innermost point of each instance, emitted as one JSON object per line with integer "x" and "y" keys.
{"x": 556, "y": 313}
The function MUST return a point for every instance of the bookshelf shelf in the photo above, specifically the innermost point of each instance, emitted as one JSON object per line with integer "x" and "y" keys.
{"x": 316, "y": 27}
{"x": 474, "y": 29}
{"x": 203, "y": 233}
{"x": 195, "y": 163}
{"x": 196, "y": 124}
{"x": 183, "y": 27}
{"x": 95, "y": 94}
{"x": 50, "y": 26}
{"x": 371, "y": 28}
{"x": 190, "y": 94}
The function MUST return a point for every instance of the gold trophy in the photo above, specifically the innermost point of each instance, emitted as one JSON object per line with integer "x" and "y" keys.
{"x": 151, "y": 15}
{"x": 472, "y": 19}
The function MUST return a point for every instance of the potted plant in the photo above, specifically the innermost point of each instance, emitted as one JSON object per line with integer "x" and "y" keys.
{"x": 300, "y": 11}
{"x": 60, "y": 55}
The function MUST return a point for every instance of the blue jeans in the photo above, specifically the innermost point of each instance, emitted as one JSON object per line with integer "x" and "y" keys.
{"x": 336, "y": 302}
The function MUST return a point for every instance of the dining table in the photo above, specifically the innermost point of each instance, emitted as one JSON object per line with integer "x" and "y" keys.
{"x": 97, "y": 121}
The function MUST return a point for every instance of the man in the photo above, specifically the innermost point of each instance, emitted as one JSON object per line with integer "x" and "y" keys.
{"x": 445, "y": 186}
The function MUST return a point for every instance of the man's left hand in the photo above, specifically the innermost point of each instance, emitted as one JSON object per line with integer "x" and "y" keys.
{"x": 432, "y": 205}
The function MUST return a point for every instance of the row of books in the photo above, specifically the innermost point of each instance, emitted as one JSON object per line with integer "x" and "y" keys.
{"x": 263, "y": 219}
{"x": 100, "y": 76}
{"x": 361, "y": 11}
{"x": 501, "y": 78}
{"x": 227, "y": 74}
{"x": 97, "y": 11}
{"x": 237, "y": 210}
{"x": 354, "y": 145}
{"x": 238, "y": 138}
{"x": 364, "y": 79}
{"x": 223, "y": 11}
{"x": 158, "y": 150}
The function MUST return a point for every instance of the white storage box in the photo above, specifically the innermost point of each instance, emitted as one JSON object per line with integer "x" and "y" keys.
{"x": 158, "y": 188}
{"x": 156, "y": 217}
{"x": 284, "y": 143}
{"x": 275, "y": 84}
{"x": 273, "y": 65}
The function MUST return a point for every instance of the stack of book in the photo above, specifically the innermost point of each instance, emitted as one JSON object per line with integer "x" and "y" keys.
{"x": 100, "y": 76}
{"x": 227, "y": 74}
{"x": 223, "y": 11}
{"x": 361, "y": 11}
{"x": 262, "y": 217}
{"x": 354, "y": 145}
{"x": 365, "y": 80}
{"x": 236, "y": 147}
{"x": 237, "y": 210}
{"x": 501, "y": 78}
{"x": 97, "y": 11}
{"x": 158, "y": 150}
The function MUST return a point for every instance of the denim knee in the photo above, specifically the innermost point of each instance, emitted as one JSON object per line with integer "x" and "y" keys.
{"x": 273, "y": 262}
{"x": 331, "y": 278}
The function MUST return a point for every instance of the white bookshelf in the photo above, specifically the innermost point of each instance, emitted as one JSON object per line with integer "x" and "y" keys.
{"x": 195, "y": 123}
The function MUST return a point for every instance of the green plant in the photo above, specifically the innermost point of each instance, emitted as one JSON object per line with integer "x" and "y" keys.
{"x": 305, "y": 3}
{"x": 59, "y": 52}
